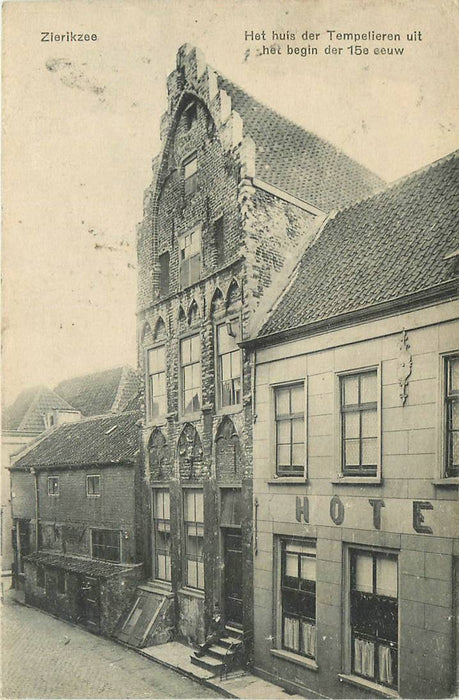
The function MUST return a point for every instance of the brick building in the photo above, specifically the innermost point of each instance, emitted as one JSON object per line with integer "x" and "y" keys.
{"x": 74, "y": 527}
{"x": 238, "y": 192}
{"x": 356, "y": 548}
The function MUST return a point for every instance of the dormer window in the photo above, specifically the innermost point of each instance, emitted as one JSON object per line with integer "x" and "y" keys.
{"x": 190, "y": 257}
{"x": 190, "y": 174}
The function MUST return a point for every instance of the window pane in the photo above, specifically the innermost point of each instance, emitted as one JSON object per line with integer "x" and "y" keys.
{"x": 455, "y": 415}
{"x": 283, "y": 455}
{"x": 369, "y": 451}
{"x": 351, "y": 453}
{"x": 283, "y": 432}
{"x": 368, "y": 387}
{"x": 351, "y": 424}
{"x": 186, "y": 346}
{"x": 191, "y": 167}
{"x": 298, "y": 455}
{"x": 236, "y": 363}
{"x": 291, "y": 633}
{"x": 291, "y": 565}
{"x": 282, "y": 402}
{"x": 350, "y": 390}
{"x": 195, "y": 347}
{"x": 199, "y": 506}
{"x": 364, "y": 573}
{"x": 308, "y": 568}
{"x": 298, "y": 430}
{"x": 188, "y": 377}
{"x": 369, "y": 427}
{"x": 386, "y": 576}
{"x": 297, "y": 399}
{"x": 195, "y": 268}
{"x": 454, "y": 374}
{"x": 192, "y": 577}
{"x": 226, "y": 367}
{"x": 226, "y": 342}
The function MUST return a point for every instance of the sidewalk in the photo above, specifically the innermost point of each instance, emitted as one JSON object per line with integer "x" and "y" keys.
{"x": 177, "y": 656}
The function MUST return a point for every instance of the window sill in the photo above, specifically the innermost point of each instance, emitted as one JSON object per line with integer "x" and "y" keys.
{"x": 225, "y": 410}
{"x": 295, "y": 658}
{"x": 192, "y": 593}
{"x": 155, "y": 422}
{"x": 369, "y": 685}
{"x": 274, "y": 481}
{"x": 447, "y": 481}
{"x": 370, "y": 480}
{"x": 190, "y": 417}
{"x": 157, "y": 586}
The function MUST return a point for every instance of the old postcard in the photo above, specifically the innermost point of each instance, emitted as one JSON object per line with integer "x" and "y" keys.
{"x": 230, "y": 349}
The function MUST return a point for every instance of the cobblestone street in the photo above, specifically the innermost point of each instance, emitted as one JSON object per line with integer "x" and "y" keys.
{"x": 45, "y": 658}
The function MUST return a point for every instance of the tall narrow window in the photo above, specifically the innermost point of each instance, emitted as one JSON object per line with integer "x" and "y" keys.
{"x": 229, "y": 364}
{"x": 219, "y": 241}
{"x": 359, "y": 423}
{"x": 164, "y": 274}
{"x": 190, "y": 114}
{"x": 161, "y": 534}
{"x": 194, "y": 536}
{"x": 53, "y": 486}
{"x": 93, "y": 485}
{"x": 298, "y": 587}
{"x": 452, "y": 416}
{"x": 190, "y": 173}
{"x": 290, "y": 443}
{"x": 156, "y": 382}
{"x": 190, "y": 257}
{"x": 374, "y": 616}
{"x": 190, "y": 363}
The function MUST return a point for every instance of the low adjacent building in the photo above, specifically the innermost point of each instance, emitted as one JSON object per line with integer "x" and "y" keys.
{"x": 74, "y": 528}
{"x": 356, "y": 549}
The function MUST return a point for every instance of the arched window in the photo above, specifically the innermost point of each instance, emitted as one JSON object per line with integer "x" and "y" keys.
{"x": 158, "y": 454}
{"x": 228, "y": 451}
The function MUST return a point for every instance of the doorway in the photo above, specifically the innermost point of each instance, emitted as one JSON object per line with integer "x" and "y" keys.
{"x": 90, "y": 602}
{"x": 232, "y": 542}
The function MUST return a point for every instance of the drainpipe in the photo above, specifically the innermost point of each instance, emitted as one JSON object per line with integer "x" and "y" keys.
{"x": 37, "y": 538}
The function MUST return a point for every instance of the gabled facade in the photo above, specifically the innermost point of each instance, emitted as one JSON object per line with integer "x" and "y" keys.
{"x": 356, "y": 549}
{"x": 238, "y": 192}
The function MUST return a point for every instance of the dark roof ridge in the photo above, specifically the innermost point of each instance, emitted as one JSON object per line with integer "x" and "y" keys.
{"x": 396, "y": 183}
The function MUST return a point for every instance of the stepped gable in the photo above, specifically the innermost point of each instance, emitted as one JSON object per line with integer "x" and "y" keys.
{"x": 112, "y": 439}
{"x": 390, "y": 245}
{"x": 100, "y": 392}
{"x": 27, "y": 413}
{"x": 297, "y": 161}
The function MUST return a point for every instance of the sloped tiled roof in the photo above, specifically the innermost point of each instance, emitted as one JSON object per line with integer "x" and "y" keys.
{"x": 79, "y": 565}
{"x": 98, "y": 393}
{"x": 387, "y": 246}
{"x": 97, "y": 440}
{"x": 26, "y": 414}
{"x": 297, "y": 161}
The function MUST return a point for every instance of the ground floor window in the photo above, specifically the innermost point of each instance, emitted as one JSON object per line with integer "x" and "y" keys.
{"x": 298, "y": 596}
{"x": 106, "y": 545}
{"x": 374, "y": 616}
{"x": 193, "y": 506}
{"x": 161, "y": 534}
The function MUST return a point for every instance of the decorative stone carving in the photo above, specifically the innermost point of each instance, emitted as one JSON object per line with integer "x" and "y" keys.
{"x": 160, "y": 465}
{"x": 405, "y": 363}
{"x": 190, "y": 454}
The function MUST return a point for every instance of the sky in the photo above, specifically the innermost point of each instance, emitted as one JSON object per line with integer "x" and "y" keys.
{"x": 81, "y": 127}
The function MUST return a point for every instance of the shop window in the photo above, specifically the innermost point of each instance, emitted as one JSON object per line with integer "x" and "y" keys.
{"x": 53, "y": 486}
{"x": 190, "y": 257}
{"x": 164, "y": 274}
{"x": 93, "y": 485}
{"x": 290, "y": 431}
{"x": 452, "y": 416}
{"x": 374, "y": 616}
{"x": 106, "y": 545}
{"x": 156, "y": 370}
{"x": 359, "y": 423}
{"x": 229, "y": 367}
{"x": 298, "y": 597}
{"x": 190, "y": 173}
{"x": 190, "y": 368}
{"x": 161, "y": 534}
{"x": 193, "y": 517}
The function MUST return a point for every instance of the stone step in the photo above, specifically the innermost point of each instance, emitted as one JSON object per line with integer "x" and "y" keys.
{"x": 228, "y": 641}
{"x": 219, "y": 651}
{"x": 207, "y": 662}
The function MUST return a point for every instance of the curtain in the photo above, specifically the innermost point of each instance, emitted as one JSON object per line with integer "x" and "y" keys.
{"x": 364, "y": 658}
{"x": 292, "y": 633}
{"x": 385, "y": 665}
{"x": 309, "y": 638}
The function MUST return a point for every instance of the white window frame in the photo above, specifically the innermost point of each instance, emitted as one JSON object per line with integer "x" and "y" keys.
{"x": 338, "y": 451}
{"x": 54, "y": 478}
{"x": 274, "y": 388}
{"x": 348, "y": 674}
{"x": 158, "y": 419}
{"x": 234, "y": 407}
{"x": 183, "y": 414}
{"x": 167, "y": 522}
{"x": 93, "y": 476}
{"x": 186, "y": 556}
